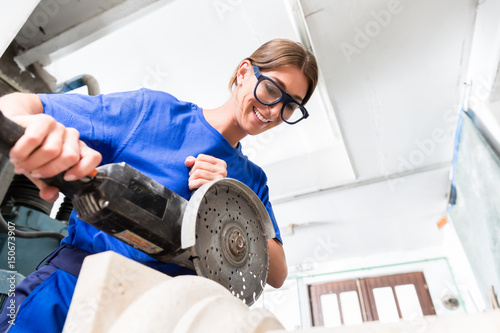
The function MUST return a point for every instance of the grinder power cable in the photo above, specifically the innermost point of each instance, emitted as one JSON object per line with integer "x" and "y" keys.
{"x": 221, "y": 231}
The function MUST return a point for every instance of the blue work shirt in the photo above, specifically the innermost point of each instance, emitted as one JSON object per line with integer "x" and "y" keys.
{"x": 153, "y": 132}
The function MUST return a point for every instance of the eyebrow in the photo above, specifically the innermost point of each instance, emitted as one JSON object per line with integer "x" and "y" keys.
{"x": 296, "y": 97}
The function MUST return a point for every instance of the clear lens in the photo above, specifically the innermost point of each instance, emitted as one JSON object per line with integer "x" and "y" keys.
{"x": 293, "y": 112}
{"x": 267, "y": 92}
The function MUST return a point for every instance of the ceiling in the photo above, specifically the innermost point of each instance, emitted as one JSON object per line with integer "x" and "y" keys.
{"x": 369, "y": 171}
{"x": 394, "y": 73}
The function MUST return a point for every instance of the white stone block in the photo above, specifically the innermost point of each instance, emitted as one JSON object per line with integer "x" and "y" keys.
{"x": 107, "y": 285}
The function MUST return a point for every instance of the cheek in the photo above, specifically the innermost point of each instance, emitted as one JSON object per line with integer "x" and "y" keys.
{"x": 247, "y": 91}
{"x": 249, "y": 102}
{"x": 249, "y": 95}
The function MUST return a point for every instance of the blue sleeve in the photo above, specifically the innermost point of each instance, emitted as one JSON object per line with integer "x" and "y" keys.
{"x": 263, "y": 193}
{"x": 269, "y": 209}
{"x": 105, "y": 122}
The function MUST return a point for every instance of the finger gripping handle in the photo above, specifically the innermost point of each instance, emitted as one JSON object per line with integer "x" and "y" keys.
{"x": 10, "y": 132}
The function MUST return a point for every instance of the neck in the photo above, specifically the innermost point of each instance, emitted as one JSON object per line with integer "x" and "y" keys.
{"x": 223, "y": 119}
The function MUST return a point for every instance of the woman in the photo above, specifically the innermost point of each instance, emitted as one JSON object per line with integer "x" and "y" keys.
{"x": 178, "y": 144}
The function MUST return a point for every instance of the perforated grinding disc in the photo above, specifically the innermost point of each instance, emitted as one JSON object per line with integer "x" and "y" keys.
{"x": 230, "y": 246}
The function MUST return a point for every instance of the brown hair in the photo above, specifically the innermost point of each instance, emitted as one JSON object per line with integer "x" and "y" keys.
{"x": 284, "y": 52}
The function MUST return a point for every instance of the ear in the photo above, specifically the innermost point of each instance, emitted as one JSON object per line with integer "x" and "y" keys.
{"x": 244, "y": 70}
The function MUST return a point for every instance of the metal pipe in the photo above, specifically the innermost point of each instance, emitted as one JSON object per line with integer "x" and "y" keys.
{"x": 77, "y": 82}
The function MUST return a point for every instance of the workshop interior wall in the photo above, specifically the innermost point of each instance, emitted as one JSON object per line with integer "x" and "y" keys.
{"x": 476, "y": 214}
{"x": 444, "y": 276}
{"x": 465, "y": 264}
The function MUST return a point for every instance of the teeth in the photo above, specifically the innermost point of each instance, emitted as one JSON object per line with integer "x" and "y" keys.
{"x": 261, "y": 117}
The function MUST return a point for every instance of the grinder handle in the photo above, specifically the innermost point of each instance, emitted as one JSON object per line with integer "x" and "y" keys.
{"x": 10, "y": 132}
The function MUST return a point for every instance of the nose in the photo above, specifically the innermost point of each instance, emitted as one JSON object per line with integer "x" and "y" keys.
{"x": 274, "y": 110}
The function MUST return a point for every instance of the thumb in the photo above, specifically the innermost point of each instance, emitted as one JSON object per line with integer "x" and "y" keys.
{"x": 190, "y": 161}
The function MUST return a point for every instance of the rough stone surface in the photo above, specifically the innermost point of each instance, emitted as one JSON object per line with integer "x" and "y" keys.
{"x": 107, "y": 285}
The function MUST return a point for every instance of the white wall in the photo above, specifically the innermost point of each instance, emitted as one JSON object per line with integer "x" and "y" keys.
{"x": 192, "y": 54}
{"x": 444, "y": 276}
{"x": 483, "y": 77}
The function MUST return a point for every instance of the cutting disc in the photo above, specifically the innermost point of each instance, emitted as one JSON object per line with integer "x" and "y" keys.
{"x": 231, "y": 244}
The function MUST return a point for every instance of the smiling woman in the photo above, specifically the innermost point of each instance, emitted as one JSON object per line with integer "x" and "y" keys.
{"x": 265, "y": 101}
{"x": 269, "y": 93}
{"x": 284, "y": 53}
{"x": 178, "y": 144}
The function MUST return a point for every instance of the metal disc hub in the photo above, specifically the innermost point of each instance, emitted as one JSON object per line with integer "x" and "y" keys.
{"x": 234, "y": 244}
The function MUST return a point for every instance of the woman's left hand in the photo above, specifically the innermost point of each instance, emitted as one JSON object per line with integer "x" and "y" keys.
{"x": 204, "y": 169}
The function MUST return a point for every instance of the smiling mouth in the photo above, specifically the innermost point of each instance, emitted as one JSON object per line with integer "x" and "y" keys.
{"x": 260, "y": 116}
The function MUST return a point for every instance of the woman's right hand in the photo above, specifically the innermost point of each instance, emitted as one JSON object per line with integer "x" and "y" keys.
{"x": 46, "y": 149}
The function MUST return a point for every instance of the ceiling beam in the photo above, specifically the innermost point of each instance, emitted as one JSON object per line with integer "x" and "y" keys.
{"x": 392, "y": 181}
{"x": 86, "y": 32}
